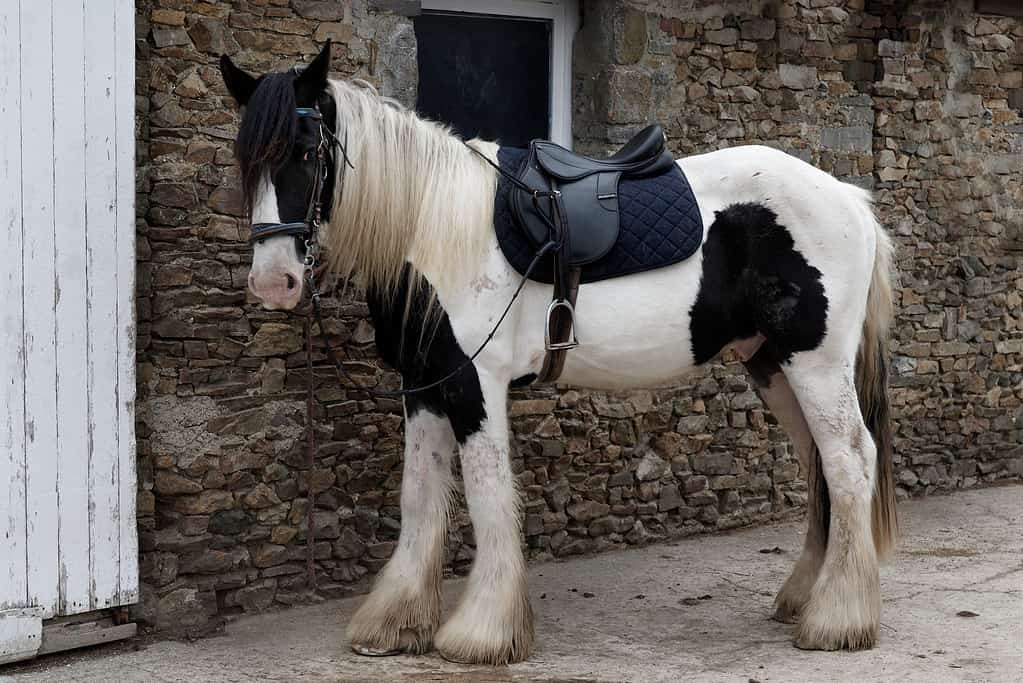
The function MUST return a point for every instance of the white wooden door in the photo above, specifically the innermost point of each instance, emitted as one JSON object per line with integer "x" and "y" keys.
{"x": 68, "y": 541}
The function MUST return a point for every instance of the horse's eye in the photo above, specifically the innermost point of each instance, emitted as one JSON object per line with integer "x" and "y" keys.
{"x": 308, "y": 156}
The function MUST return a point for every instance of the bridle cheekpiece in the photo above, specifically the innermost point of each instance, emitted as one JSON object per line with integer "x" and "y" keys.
{"x": 309, "y": 228}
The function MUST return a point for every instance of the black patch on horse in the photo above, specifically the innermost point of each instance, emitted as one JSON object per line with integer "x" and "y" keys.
{"x": 267, "y": 132}
{"x": 753, "y": 281}
{"x": 274, "y": 140}
{"x": 424, "y": 350}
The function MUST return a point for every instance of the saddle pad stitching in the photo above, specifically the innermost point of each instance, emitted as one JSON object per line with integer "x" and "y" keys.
{"x": 660, "y": 224}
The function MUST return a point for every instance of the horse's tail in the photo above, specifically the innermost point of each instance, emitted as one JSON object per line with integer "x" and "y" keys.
{"x": 872, "y": 388}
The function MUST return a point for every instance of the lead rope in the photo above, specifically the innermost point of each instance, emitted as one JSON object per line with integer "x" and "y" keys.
{"x": 312, "y": 251}
{"x": 310, "y": 555}
{"x": 316, "y": 294}
{"x": 343, "y": 375}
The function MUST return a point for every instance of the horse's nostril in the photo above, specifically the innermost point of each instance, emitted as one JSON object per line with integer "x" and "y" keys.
{"x": 291, "y": 281}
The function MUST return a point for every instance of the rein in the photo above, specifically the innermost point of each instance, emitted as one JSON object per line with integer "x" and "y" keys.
{"x": 343, "y": 375}
{"x": 309, "y": 229}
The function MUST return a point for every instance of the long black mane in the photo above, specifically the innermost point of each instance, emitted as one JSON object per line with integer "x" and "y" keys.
{"x": 267, "y": 131}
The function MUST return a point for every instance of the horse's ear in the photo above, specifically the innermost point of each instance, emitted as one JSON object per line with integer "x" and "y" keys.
{"x": 313, "y": 79}
{"x": 240, "y": 84}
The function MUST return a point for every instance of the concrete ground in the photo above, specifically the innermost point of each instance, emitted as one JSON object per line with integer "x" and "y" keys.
{"x": 694, "y": 610}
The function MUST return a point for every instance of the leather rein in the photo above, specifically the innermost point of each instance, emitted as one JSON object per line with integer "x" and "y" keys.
{"x": 309, "y": 229}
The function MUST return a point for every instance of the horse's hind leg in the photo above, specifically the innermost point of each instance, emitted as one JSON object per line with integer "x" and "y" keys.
{"x": 843, "y": 610}
{"x": 402, "y": 612}
{"x": 493, "y": 623}
{"x": 774, "y": 389}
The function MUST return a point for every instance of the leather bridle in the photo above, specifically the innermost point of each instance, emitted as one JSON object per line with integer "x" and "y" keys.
{"x": 309, "y": 228}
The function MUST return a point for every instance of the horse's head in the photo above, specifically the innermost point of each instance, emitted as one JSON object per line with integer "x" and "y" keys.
{"x": 285, "y": 152}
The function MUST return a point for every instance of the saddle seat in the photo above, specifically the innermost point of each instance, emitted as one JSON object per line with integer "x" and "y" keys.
{"x": 637, "y": 154}
{"x": 586, "y": 211}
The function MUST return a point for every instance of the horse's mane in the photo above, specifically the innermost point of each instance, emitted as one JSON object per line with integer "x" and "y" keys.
{"x": 267, "y": 131}
{"x": 416, "y": 194}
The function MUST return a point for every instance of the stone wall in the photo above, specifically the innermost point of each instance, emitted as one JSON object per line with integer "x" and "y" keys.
{"x": 919, "y": 100}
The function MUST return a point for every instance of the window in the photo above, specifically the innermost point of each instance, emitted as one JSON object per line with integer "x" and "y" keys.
{"x": 1007, "y": 8}
{"x": 497, "y": 70}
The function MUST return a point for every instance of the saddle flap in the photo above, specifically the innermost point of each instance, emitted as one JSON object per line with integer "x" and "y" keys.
{"x": 591, "y": 208}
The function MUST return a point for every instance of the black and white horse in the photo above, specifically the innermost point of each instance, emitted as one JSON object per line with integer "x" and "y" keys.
{"x": 793, "y": 276}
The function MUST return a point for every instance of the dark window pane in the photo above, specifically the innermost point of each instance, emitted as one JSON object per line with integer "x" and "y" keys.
{"x": 486, "y": 76}
{"x": 1008, "y": 8}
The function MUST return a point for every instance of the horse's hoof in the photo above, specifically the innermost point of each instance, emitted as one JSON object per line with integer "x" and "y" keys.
{"x": 453, "y": 660}
{"x": 854, "y": 640}
{"x": 786, "y": 615}
{"x": 818, "y": 646}
{"x": 374, "y": 652}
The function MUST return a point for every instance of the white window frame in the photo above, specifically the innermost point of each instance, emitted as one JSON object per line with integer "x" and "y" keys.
{"x": 564, "y": 18}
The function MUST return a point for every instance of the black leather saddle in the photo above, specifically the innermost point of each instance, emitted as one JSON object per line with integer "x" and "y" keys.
{"x": 584, "y": 191}
{"x": 567, "y": 204}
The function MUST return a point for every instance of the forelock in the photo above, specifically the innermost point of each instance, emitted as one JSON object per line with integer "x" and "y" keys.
{"x": 267, "y": 133}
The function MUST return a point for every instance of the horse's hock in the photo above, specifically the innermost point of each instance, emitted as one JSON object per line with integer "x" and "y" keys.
{"x": 921, "y": 105}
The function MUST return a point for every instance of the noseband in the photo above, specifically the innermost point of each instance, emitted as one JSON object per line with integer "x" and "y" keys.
{"x": 309, "y": 228}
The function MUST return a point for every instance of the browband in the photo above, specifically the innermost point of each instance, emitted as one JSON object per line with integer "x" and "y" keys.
{"x": 309, "y": 113}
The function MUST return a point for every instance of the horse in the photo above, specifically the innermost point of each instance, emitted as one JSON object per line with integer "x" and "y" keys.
{"x": 794, "y": 275}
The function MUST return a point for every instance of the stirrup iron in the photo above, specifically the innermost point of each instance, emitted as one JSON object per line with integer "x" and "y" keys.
{"x": 572, "y": 341}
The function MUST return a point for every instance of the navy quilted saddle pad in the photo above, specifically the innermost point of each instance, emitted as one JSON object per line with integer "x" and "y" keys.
{"x": 660, "y": 225}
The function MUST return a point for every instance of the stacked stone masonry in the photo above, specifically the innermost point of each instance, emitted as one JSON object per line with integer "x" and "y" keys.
{"x": 919, "y": 101}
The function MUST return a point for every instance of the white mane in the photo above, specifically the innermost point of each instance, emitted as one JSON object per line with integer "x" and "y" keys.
{"x": 416, "y": 194}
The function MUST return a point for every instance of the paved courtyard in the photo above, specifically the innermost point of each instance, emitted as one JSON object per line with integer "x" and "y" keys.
{"x": 693, "y": 610}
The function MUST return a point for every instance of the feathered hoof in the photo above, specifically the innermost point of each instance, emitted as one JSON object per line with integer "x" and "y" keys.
{"x": 366, "y": 651}
{"x": 410, "y": 641}
{"x": 787, "y": 613}
{"x": 812, "y": 636}
{"x": 392, "y": 624}
{"x": 790, "y": 602}
{"x": 472, "y": 649}
{"x": 475, "y": 636}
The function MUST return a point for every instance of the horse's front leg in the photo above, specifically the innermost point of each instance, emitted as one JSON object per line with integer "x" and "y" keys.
{"x": 402, "y": 612}
{"x": 493, "y": 623}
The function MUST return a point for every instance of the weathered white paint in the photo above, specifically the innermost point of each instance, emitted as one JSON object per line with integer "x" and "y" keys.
{"x": 13, "y": 571}
{"x": 21, "y": 634}
{"x": 38, "y": 221}
{"x": 67, "y": 380}
{"x": 124, "y": 159}
{"x": 72, "y": 330}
